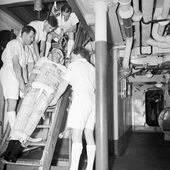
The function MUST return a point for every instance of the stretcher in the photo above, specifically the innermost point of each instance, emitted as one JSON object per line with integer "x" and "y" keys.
{"x": 56, "y": 115}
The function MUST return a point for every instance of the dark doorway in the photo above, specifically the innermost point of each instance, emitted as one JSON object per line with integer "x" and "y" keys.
{"x": 5, "y": 37}
{"x": 154, "y": 105}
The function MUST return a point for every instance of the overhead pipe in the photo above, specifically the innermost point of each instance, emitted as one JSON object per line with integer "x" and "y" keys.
{"x": 158, "y": 40}
{"x": 126, "y": 60}
{"x": 157, "y": 36}
{"x": 37, "y": 5}
{"x": 126, "y": 12}
{"x": 164, "y": 15}
{"x": 155, "y": 43}
{"x": 147, "y": 11}
{"x": 137, "y": 16}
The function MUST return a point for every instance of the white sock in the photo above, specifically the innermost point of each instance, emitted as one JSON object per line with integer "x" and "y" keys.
{"x": 70, "y": 46}
{"x": 75, "y": 155}
{"x": 91, "y": 150}
{"x": 11, "y": 116}
{"x": 47, "y": 48}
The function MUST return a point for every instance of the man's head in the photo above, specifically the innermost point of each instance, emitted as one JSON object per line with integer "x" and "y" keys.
{"x": 56, "y": 56}
{"x": 80, "y": 52}
{"x": 28, "y": 34}
{"x": 50, "y": 24}
{"x": 66, "y": 11}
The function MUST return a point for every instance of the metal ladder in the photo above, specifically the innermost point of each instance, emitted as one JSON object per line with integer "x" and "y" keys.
{"x": 47, "y": 147}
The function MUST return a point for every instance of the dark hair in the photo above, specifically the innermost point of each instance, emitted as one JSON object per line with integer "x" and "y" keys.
{"x": 28, "y": 29}
{"x": 66, "y": 8}
{"x": 52, "y": 21}
{"x": 83, "y": 52}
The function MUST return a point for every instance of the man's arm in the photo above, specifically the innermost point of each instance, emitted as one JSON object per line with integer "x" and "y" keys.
{"x": 18, "y": 72}
{"x": 61, "y": 89}
{"x": 25, "y": 74}
{"x": 35, "y": 48}
{"x": 42, "y": 48}
{"x": 71, "y": 29}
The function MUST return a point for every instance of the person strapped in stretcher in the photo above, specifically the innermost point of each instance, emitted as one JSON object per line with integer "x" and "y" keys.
{"x": 44, "y": 81}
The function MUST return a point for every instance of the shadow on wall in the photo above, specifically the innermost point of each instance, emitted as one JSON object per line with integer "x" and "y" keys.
{"x": 5, "y": 37}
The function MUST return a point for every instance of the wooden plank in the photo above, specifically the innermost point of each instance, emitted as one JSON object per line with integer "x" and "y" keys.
{"x": 54, "y": 131}
{"x": 15, "y": 167}
{"x": 59, "y": 168}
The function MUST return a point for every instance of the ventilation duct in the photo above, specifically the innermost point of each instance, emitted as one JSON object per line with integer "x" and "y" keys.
{"x": 158, "y": 28}
{"x": 126, "y": 12}
{"x": 164, "y": 15}
{"x": 147, "y": 10}
{"x": 37, "y": 5}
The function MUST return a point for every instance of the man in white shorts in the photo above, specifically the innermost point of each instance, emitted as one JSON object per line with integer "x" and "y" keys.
{"x": 13, "y": 74}
{"x": 67, "y": 24}
{"x": 81, "y": 117}
{"x": 42, "y": 29}
{"x": 43, "y": 83}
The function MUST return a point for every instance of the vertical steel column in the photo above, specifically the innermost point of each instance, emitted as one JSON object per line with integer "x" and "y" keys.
{"x": 100, "y": 8}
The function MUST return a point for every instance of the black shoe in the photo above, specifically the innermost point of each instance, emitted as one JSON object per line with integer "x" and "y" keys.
{"x": 9, "y": 149}
{"x": 16, "y": 152}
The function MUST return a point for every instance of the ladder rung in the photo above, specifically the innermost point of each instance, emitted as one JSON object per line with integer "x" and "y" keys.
{"x": 30, "y": 149}
{"x": 50, "y": 109}
{"x": 63, "y": 163}
{"x": 26, "y": 162}
{"x": 41, "y": 143}
{"x": 43, "y": 126}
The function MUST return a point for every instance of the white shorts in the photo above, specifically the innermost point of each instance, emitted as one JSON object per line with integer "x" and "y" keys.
{"x": 81, "y": 114}
{"x": 10, "y": 84}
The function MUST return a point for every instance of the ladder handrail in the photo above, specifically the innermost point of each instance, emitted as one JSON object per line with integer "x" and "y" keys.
{"x": 59, "y": 112}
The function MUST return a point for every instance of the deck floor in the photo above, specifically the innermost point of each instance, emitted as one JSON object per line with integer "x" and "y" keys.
{"x": 145, "y": 151}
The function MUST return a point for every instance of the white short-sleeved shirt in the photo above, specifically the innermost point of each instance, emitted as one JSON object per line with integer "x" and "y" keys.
{"x": 8, "y": 77}
{"x": 81, "y": 76}
{"x": 13, "y": 48}
{"x": 73, "y": 20}
{"x": 40, "y": 33}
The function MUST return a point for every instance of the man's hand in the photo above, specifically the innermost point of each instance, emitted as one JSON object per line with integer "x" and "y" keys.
{"x": 22, "y": 87}
{"x": 61, "y": 33}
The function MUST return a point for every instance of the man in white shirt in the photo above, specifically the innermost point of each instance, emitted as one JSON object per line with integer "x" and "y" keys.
{"x": 42, "y": 29}
{"x": 81, "y": 117}
{"x": 67, "y": 24}
{"x": 13, "y": 74}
